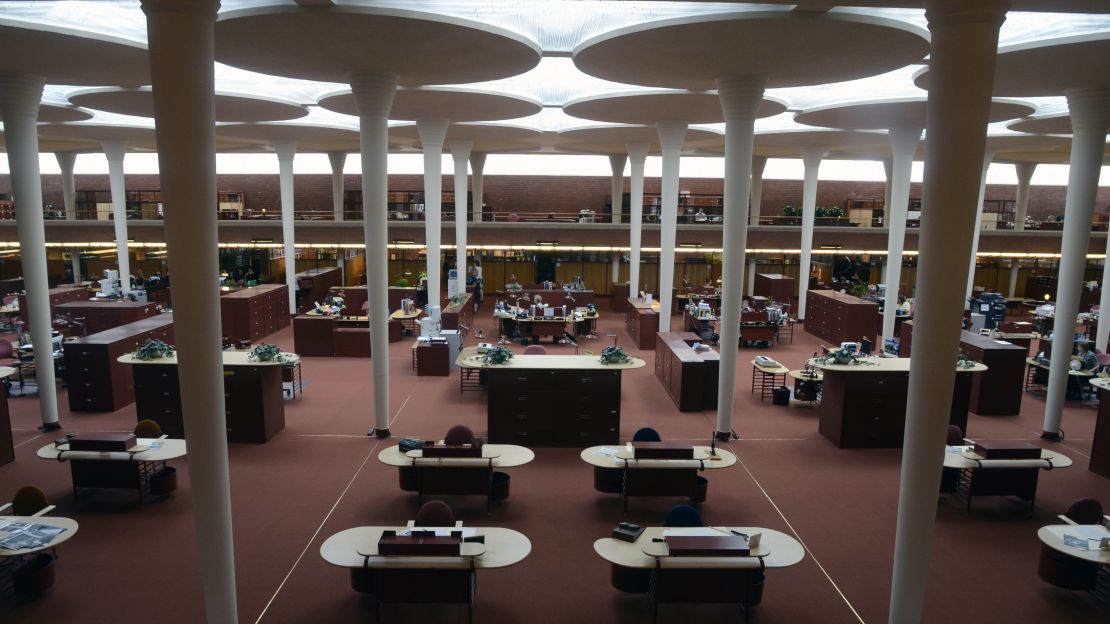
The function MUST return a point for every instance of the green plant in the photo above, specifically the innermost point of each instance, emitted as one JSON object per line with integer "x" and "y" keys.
{"x": 790, "y": 211}
{"x": 497, "y": 355}
{"x": 861, "y": 290}
{"x": 839, "y": 356}
{"x": 962, "y": 361}
{"x": 153, "y": 349}
{"x": 614, "y": 355}
{"x": 836, "y": 212}
{"x": 401, "y": 283}
{"x": 266, "y": 353}
{"x": 821, "y": 211}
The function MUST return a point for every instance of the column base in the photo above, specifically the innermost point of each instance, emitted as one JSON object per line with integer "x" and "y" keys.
{"x": 725, "y": 436}
{"x": 1053, "y": 436}
{"x": 52, "y": 426}
{"x": 381, "y": 434}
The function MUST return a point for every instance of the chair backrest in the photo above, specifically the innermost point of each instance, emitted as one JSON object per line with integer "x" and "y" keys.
{"x": 865, "y": 346}
{"x": 1103, "y": 359}
{"x": 955, "y": 436}
{"x": 459, "y": 434}
{"x": 365, "y": 306}
{"x": 28, "y": 501}
{"x": 6, "y": 348}
{"x": 535, "y": 350}
{"x": 646, "y": 434}
{"x": 683, "y": 516}
{"x": 1085, "y": 511}
{"x": 435, "y": 514}
{"x": 9, "y": 299}
{"x": 148, "y": 429}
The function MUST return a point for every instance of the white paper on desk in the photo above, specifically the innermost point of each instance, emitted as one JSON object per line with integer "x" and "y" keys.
{"x": 1001, "y": 342}
{"x": 696, "y": 532}
{"x": 1088, "y": 531}
{"x": 441, "y": 531}
{"x": 607, "y": 450}
{"x": 956, "y": 449}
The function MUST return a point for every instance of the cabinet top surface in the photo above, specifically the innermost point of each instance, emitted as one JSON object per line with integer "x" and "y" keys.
{"x": 469, "y": 358}
{"x": 883, "y": 365}
{"x": 843, "y": 298}
{"x": 123, "y": 332}
{"x": 104, "y": 305}
{"x": 317, "y": 272}
{"x": 640, "y": 304}
{"x": 987, "y": 343}
{"x": 254, "y": 291}
{"x": 775, "y": 276}
{"x": 231, "y": 358}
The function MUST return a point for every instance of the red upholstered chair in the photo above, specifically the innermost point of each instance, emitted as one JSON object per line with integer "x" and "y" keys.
{"x": 1065, "y": 571}
{"x": 535, "y": 350}
{"x": 459, "y": 434}
{"x": 435, "y": 514}
{"x": 955, "y": 436}
{"x": 28, "y": 501}
{"x": 7, "y": 353}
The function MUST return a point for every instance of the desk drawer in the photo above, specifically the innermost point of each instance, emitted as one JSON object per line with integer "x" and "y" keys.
{"x": 597, "y": 382}
{"x": 520, "y": 381}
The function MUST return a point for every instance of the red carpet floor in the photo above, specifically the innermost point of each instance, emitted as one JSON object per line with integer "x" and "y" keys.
{"x": 321, "y": 475}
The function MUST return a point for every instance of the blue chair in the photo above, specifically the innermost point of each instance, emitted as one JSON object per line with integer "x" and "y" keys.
{"x": 646, "y": 434}
{"x": 683, "y": 516}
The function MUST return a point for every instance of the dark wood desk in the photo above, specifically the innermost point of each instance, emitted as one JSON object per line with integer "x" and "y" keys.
{"x": 353, "y": 298}
{"x": 1100, "y": 446}
{"x": 996, "y": 391}
{"x": 103, "y": 315}
{"x": 313, "y": 285}
{"x": 97, "y": 381}
{"x": 254, "y": 313}
{"x": 864, "y": 406}
{"x": 458, "y": 316}
{"x": 618, "y": 300}
{"x": 432, "y": 360}
{"x": 688, "y": 376}
{"x": 254, "y": 403}
{"x": 336, "y": 336}
{"x": 58, "y": 296}
{"x": 777, "y": 286}
{"x": 642, "y": 322}
{"x": 7, "y": 448}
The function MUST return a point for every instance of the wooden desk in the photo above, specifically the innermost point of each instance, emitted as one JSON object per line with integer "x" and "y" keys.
{"x": 767, "y": 378}
{"x": 316, "y": 335}
{"x": 837, "y": 317}
{"x": 864, "y": 405}
{"x": 68, "y": 526}
{"x": 255, "y": 405}
{"x": 459, "y": 315}
{"x": 642, "y": 322}
{"x": 618, "y": 299}
{"x": 551, "y": 400}
{"x": 811, "y": 381}
{"x": 689, "y": 376}
{"x": 655, "y": 477}
{"x": 103, "y": 315}
{"x": 776, "y": 549}
{"x": 1100, "y": 446}
{"x": 454, "y": 475}
{"x": 431, "y": 360}
{"x": 776, "y": 286}
{"x": 1000, "y": 477}
{"x": 313, "y": 286}
{"x": 996, "y": 391}
{"x": 97, "y": 380}
{"x": 130, "y": 470}
{"x": 7, "y": 448}
{"x": 1036, "y": 375}
{"x": 1051, "y": 536}
{"x": 254, "y": 313}
{"x": 57, "y": 296}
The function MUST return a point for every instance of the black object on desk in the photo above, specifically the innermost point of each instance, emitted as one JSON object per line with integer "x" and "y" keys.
{"x": 627, "y": 532}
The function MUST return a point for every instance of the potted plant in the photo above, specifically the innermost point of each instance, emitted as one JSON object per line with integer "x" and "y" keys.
{"x": 861, "y": 290}
{"x": 267, "y": 353}
{"x": 614, "y": 355}
{"x": 792, "y": 215}
{"x": 401, "y": 283}
{"x": 497, "y": 355}
{"x": 154, "y": 349}
{"x": 840, "y": 356}
{"x": 964, "y": 362}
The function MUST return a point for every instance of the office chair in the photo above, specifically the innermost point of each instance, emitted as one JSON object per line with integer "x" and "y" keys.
{"x": 535, "y": 350}
{"x": 1065, "y": 571}
{"x": 435, "y": 514}
{"x": 950, "y": 477}
{"x": 7, "y": 353}
{"x": 955, "y": 436}
{"x": 28, "y": 501}
{"x": 459, "y": 434}
{"x": 865, "y": 346}
{"x": 646, "y": 434}
{"x": 683, "y": 516}
{"x": 147, "y": 428}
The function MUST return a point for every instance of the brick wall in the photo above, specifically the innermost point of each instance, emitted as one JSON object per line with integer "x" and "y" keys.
{"x": 546, "y": 194}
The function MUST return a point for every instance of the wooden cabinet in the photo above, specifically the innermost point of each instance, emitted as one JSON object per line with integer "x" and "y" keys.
{"x": 836, "y": 317}
{"x": 781, "y": 288}
{"x": 253, "y": 401}
{"x": 1100, "y": 446}
{"x": 313, "y": 336}
{"x": 867, "y": 409}
{"x": 313, "y": 285}
{"x": 398, "y": 293}
{"x": 642, "y": 323}
{"x": 57, "y": 296}
{"x": 690, "y": 377}
{"x": 7, "y": 448}
{"x": 256, "y": 312}
{"x": 996, "y": 391}
{"x": 103, "y": 315}
{"x": 618, "y": 302}
{"x": 96, "y": 381}
{"x": 545, "y": 407}
{"x": 353, "y": 298}
{"x": 458, "y": 316}
{"x": 905, "y": 339}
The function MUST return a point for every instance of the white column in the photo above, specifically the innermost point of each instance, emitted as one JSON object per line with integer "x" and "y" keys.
{"x": 616, "y": 162}
{"x": 181, "y": 44}
{"x": 615, "y": 266}
{"x": 987, "y": 157}
{"x": 19, "y": 108}
{"x": 460, "y": 152}
{"x": 637, "y": 156}
{"x": 753, "y": 266}
{"x": 337, "y": 160}
{"x": 115, "y": 151}
{"x": 341, "y": 262}
{"x": 1103, "y": 333}
{"x": 69, "y": 193}
{"x": 75, "y": 264}
{"x": 964, "y": 43}
{"x": 759, "y": 164}
{"x": 477, "y": 165}
{"x": 1090, "y": 116}
{"x": 671, "y": 135}
{"x": 888, "y": 167}
{"x": 903, "y": 142}
{"x": 286, "y": 151}
{"x": 811, "y": 159}
{"x": 373, "y": 99}
{"x": 432, "y": 133}
{"x": 1015, "y": 270}
{"x": 740, "y": 98}
{"x": 1024, "y": 171}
